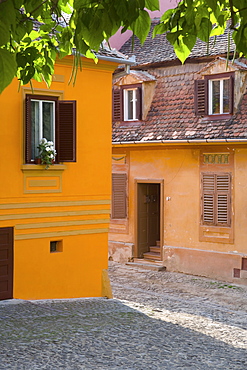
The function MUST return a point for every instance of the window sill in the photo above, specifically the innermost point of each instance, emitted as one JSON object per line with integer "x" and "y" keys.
{"x": 130, "y": 123}
{"x": 217, "y": 117}
{"x": 41, "y": 167}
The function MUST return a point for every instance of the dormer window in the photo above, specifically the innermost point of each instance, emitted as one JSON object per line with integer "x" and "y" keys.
{"x": 219, "y": 96}
{"x": 130, "y": 104}
{"x": 214, "y": 95}
{"x": 127, "y": 103}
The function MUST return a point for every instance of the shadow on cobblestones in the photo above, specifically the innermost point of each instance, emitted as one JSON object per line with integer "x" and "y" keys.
{"x": 104, "y": 334}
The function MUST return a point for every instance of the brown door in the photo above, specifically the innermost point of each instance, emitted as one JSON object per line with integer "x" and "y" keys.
{"x": 148, "y": 217}
{"x": 6, "y": 263}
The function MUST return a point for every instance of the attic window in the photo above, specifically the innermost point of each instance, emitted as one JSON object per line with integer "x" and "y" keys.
{"x": 130, "y": 104}
{"x": 127, "y": 103}
{"x": 214, "y": 95}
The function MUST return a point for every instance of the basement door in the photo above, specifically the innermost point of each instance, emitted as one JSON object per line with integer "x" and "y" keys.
{"x": 6, "y": 263}
{"x": 148, "y": 217}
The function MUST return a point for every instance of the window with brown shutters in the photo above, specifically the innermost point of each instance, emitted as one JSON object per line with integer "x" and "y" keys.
{"x": 53, "y": 119}
{"x": 127, "y": 103}
{"x": 119, "y": 196}
{"x": 216, "y": 199}
{"x": 214, "y": 95}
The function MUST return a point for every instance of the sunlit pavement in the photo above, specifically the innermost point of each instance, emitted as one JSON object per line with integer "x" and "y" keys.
{"x": 146, "y": 328}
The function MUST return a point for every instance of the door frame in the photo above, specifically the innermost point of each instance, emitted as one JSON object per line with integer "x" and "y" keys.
{"x": 149, "y": 181}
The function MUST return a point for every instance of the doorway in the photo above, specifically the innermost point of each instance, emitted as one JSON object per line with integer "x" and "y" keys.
{"x": 148, "y": 220}
{"x": 6, "y": 263}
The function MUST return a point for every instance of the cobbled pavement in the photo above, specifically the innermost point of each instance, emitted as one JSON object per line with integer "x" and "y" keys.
{"x": 157, "y": 320}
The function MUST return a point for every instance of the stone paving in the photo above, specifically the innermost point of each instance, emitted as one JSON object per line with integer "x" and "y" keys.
{"x": 157, "y": 320}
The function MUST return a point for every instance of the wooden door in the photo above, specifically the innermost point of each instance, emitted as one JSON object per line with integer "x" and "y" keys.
{"x": 6, "y": 263}
{"x": 148, "y": 217}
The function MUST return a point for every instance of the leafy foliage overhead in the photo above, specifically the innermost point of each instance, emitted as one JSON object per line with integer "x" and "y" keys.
{"x": 33, "y": 33}
{"x": 202, "y": 19}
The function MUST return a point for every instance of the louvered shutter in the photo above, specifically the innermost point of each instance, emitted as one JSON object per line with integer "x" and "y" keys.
{"x": 119, "y": 200}
{"x": 201, "y": 100}
{"x": 216, "y": 199}
{"x": 208, "y": 202}
{"x": 223, "y": 186}
{"x": 66, "y": 131}
{"x": 28, "y": 145}
{"x": 117, "y": 105}
{"x": 139, "y": 103}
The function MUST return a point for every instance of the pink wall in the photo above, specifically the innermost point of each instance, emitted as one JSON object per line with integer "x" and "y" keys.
{"x": 119, "y": 39}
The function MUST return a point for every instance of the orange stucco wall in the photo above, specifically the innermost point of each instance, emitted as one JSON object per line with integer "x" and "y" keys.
{"x": 178, "y": 168}
{"x": 69, "y": 202}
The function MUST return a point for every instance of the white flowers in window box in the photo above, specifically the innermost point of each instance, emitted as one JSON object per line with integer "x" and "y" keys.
{"x": 47, "y": 152}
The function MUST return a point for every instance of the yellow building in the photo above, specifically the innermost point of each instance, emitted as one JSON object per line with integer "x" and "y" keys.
{"x": 54, "y": 221}
{"x": 179, "y": 161}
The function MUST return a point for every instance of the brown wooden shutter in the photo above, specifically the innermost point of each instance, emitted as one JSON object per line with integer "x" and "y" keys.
{"x": 66, "y": 131}
{"x": 201, "y": 100}
{"x": 216, "y": 199}
{"x": 223, "y": 187}
{"x": 231, "y": 94}
{"x": 28, "y": 130}
{"x": 117, "y": 104}
{"x": 139, "y": 103}
{"x": 208, "y": 199}
{"x": 119, "y": 196}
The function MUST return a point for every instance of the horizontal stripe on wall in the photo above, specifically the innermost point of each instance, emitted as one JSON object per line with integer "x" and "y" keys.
{"x": 62, "y": 223}
{"x": 55, "y": 204}
{"x": 59, "y": 234}
{"x": 22, "y": 216}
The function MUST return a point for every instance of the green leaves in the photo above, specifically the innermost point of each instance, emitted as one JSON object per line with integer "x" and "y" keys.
{"x": 152, "y": 4}
{"x": 31, "y": 34}
{"x": 202, "y": 19}
{"x": 141, "y": 26}
{"x": 8, "y": 68}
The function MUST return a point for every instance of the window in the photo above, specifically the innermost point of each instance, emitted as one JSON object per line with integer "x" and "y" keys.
{"x": 214, "y": 95}
{"x": 119, "y": 196}
{"x": 127, "y": 103}
{"x": 56, "y": 246}
{"x": 216, "y": 199}
{"x": 130, "y": 104}
{"x": 53, "y": 119}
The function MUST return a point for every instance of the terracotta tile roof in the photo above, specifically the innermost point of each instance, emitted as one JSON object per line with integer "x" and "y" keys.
{"x": 160, "y": 50}
{"x": 172, "y": 117}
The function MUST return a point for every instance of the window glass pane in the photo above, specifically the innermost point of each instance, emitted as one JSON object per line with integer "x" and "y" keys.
{"x": 216, "y": 96}
{"x": 48, "y": 123}
{"x": 35, "y": 129}
{"x": 130, "y": 104}
{"x": 226, "y": 96}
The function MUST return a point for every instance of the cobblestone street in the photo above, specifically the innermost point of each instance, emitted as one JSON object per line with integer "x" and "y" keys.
{"x": 157, "y": 320}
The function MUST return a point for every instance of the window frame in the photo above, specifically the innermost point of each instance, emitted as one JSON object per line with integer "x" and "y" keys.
{"x": 64, "y": 126}
{"x": 126, "y": 104}
{"x": 28, "y": 128}
{"x": 203, "y": 96}
{"x": 120, "y": 103}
